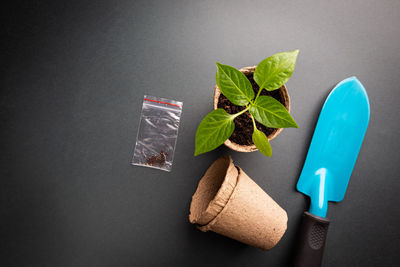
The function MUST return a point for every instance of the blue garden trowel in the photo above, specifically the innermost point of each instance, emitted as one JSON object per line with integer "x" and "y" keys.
{"x": 330, "y": 160}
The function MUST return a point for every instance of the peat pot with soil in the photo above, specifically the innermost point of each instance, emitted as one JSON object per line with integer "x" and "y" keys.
{"x": 251, "y": 106}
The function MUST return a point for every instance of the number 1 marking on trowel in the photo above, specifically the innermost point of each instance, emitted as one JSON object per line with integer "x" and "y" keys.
{"x": 322, "y": 174}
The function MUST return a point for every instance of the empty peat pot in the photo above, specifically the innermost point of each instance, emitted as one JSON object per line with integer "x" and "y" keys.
{"x": 220, "y": 101}
{"x": 230, "y": 203}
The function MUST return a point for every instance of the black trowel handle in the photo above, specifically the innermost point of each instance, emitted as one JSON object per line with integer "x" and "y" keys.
{"x": 311, "y": 242}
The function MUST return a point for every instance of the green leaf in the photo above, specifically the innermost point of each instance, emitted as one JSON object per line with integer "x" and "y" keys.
{"x": 271, "y": 113}
{"x": 275, "y": 70}
{"x": 261, "y": 142}
{"x": 213, "y": 130}
{"x": 234, "y": 85}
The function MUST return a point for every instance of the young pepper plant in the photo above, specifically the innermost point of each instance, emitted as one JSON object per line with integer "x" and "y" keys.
{"x": 270, "y": 75}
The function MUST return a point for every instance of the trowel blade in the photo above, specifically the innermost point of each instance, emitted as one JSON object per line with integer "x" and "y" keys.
{"x": 335, "y": 145}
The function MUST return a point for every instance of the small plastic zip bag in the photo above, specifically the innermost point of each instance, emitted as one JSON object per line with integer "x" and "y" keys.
{"x": 157, "y": 133}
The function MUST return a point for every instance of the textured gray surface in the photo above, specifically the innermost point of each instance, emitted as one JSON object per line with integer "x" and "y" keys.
{"x": 73, "y": 78}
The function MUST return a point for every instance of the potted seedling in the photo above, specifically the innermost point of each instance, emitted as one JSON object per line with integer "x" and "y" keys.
{"x": 251, "y": 106}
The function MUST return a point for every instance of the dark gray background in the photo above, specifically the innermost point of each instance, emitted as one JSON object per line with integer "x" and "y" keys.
{"x": 73, "y": 75}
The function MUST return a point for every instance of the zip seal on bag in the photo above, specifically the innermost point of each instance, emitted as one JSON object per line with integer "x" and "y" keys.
{"x": 157, "y": 133}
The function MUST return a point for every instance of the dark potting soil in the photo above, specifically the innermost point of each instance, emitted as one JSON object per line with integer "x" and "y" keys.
{"x": 243, "y": 123}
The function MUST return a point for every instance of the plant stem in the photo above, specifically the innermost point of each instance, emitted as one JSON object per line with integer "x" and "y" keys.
{"x": 241, "y": 112}
{"x": 258, "y": 94}
{"x": 254, "y": 122}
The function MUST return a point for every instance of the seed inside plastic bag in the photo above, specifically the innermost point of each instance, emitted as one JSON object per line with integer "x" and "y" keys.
{"x": 157, "y": 133}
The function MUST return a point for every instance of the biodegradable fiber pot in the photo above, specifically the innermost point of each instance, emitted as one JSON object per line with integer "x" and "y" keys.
{"x": 230, "y": 203}
{"x": 250, "y": 148}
